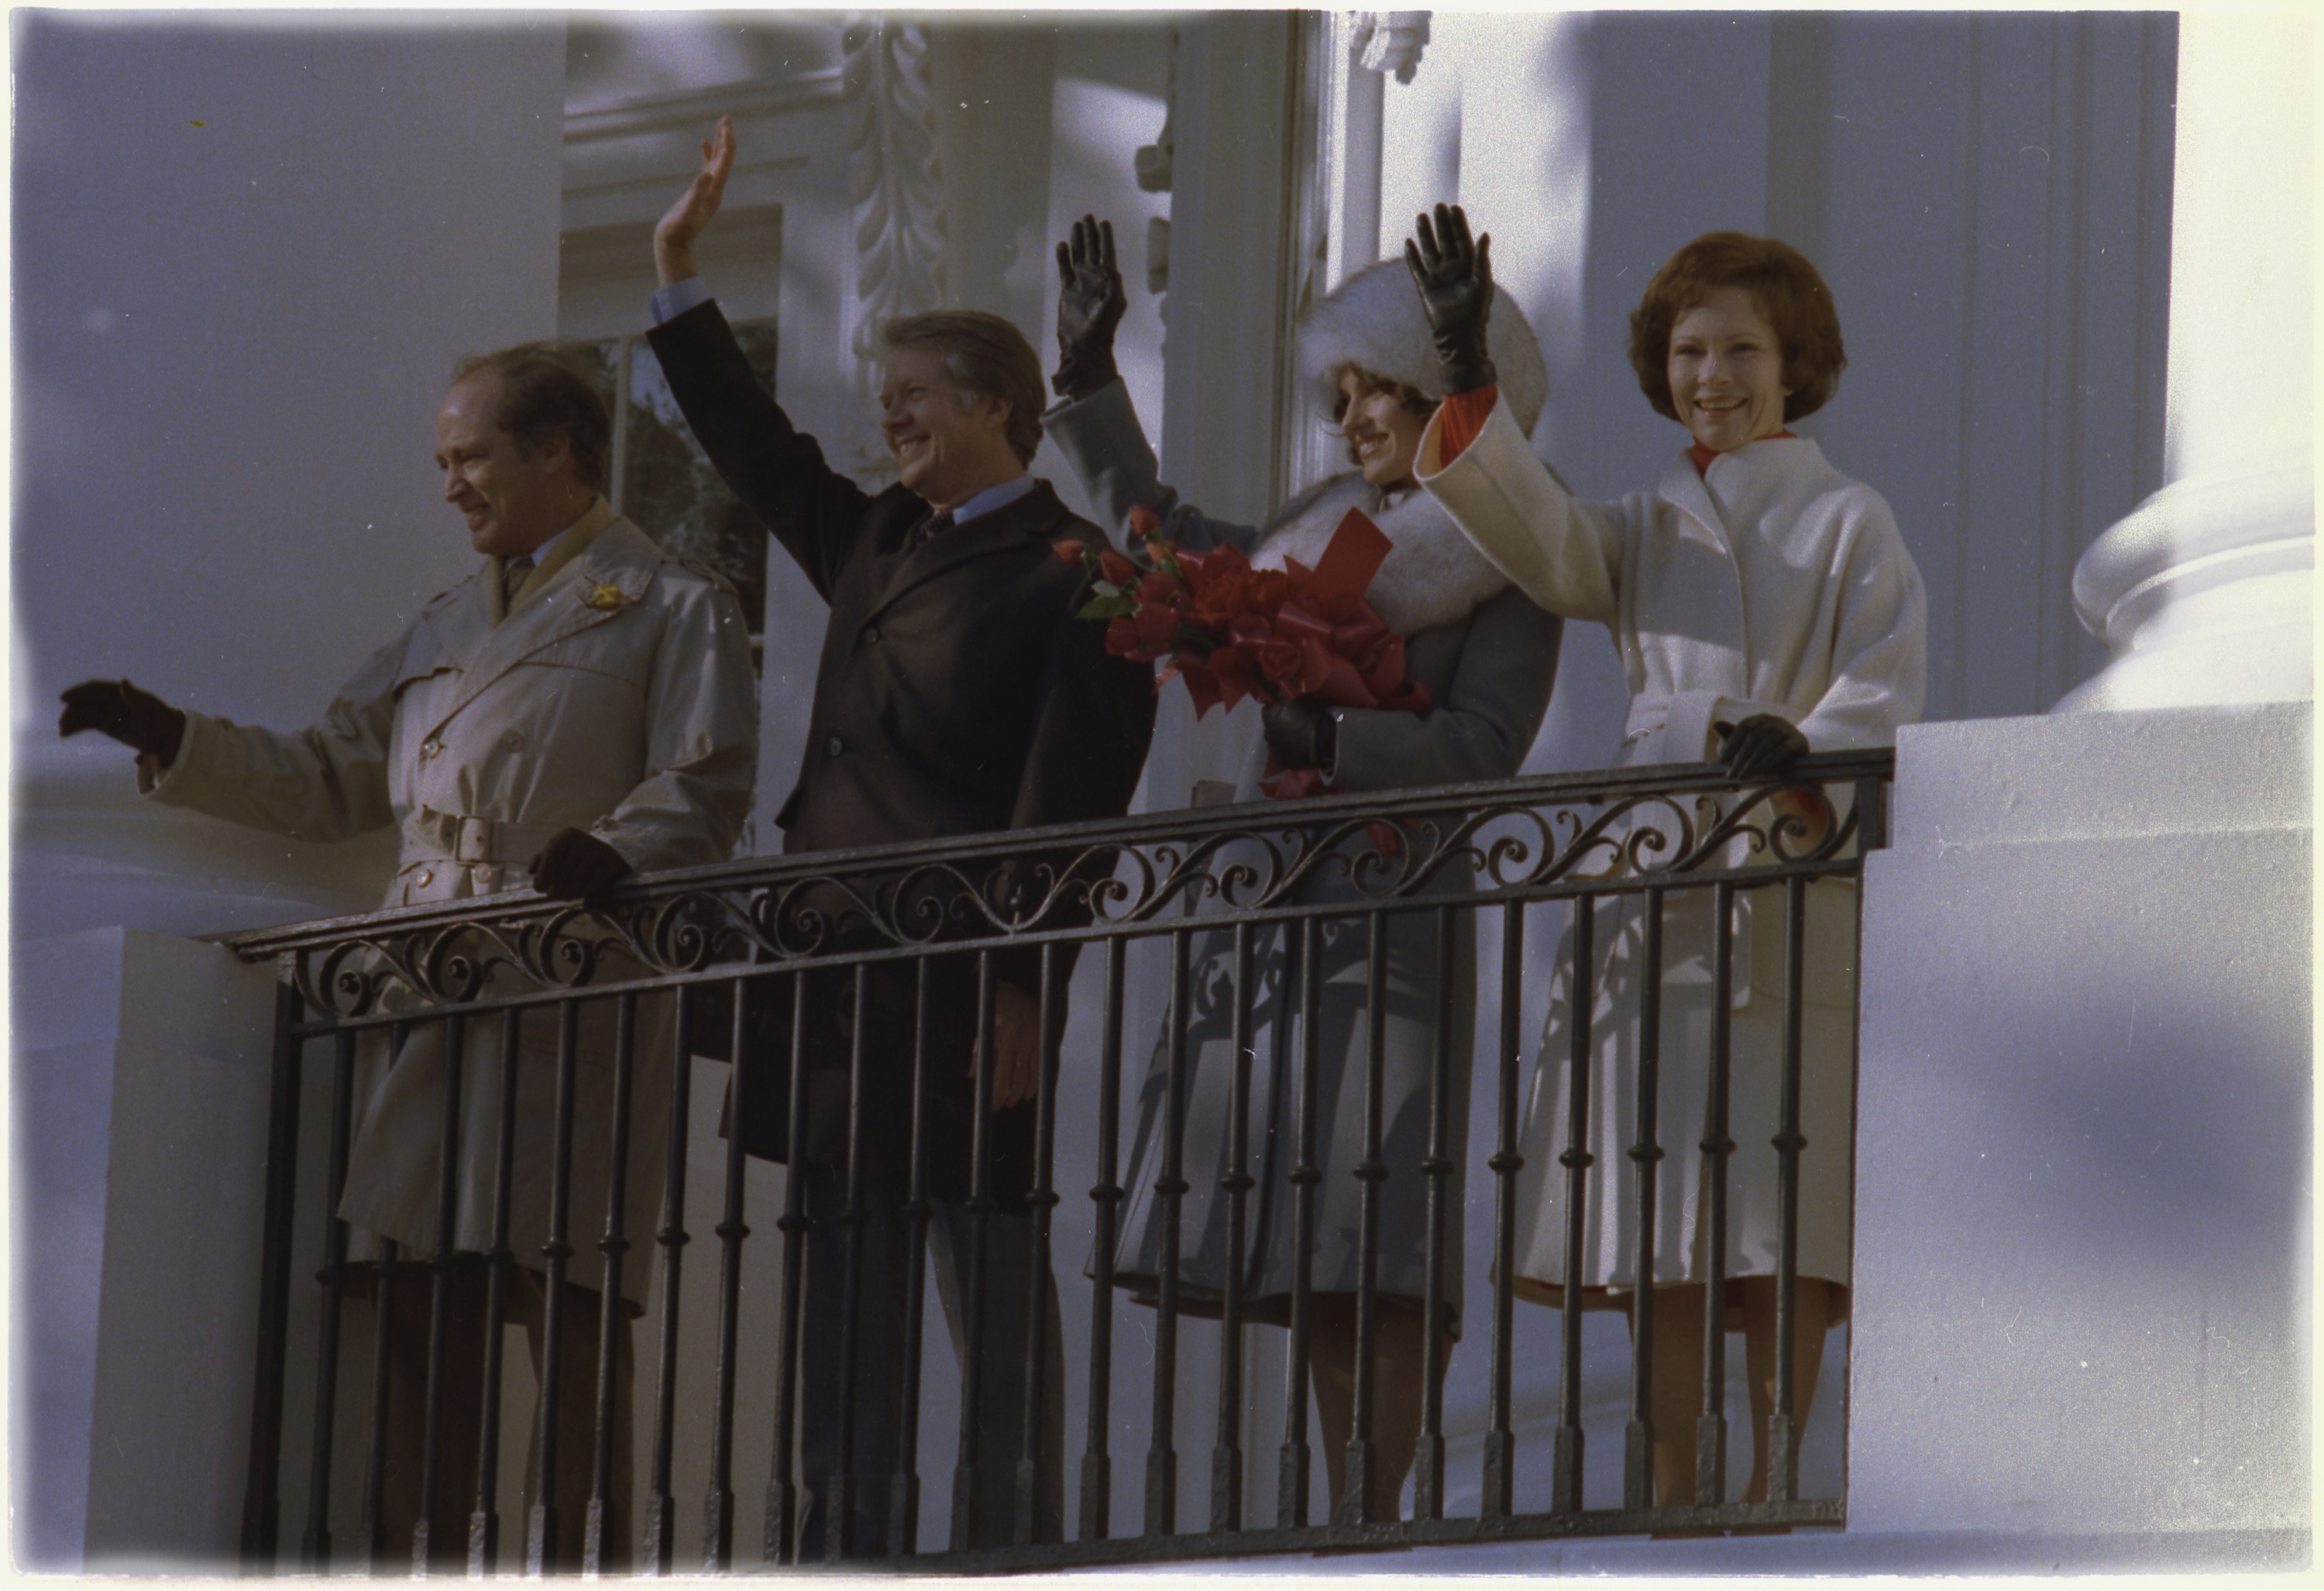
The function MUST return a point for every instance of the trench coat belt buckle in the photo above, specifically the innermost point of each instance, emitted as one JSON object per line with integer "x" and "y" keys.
{"x": 470, "y": 841}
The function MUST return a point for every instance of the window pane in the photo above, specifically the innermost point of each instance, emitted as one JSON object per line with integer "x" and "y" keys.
{"x": 672, "y": 493}
{"x": 666, "y": 487}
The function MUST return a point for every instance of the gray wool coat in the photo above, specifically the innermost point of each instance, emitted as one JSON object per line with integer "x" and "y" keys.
{"x": 1488, "y": 657}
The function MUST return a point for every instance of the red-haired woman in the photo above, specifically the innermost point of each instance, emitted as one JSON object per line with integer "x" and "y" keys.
{"x": 1765, "y": 606}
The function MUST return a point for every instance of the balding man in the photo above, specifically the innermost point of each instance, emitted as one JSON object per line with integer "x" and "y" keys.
{"x": 581, "y": 706}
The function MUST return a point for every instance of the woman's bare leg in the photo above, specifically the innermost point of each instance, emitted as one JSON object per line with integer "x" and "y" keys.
{"x": 1674, "y": 1403}
{"x": 1812, "y": 1307}
{"x": 1399, "y": 1367}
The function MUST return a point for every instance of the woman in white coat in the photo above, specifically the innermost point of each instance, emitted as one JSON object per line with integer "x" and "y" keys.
{"x": 1487, "y": 657}
{"x": 1765, "y": 606}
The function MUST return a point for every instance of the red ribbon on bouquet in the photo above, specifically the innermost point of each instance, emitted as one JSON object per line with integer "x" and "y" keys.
{"x": 1230, "y": 631}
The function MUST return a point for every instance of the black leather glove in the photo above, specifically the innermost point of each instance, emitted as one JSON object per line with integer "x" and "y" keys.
{"x": 1455, "y": 279}
{"x": 1761, "y": 744}
{"x": 1301, "y": 732}
{"x": 136, "y": 718}
{"x": 1089, "y": 306}
{"x": 575, "y": 865}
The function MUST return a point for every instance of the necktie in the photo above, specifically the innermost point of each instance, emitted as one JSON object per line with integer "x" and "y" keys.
{"x": 927, "y": 530}
{"x": 513, "y": 576}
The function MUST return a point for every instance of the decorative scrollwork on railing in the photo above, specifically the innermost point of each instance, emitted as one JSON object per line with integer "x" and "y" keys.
{"x": 442, "y": 964}
{"x": 1625, "y": 831}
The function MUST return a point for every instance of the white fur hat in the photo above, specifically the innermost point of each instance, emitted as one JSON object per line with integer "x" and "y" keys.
{"x": 1374, "y": 320}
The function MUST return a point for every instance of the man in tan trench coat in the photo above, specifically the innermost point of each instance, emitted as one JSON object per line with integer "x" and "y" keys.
{"x": 581, "y": 706}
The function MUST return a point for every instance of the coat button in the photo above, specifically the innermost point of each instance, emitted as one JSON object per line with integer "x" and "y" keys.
{"x": 483, "y": 872}
{"x": 427, "y": 877}
{"x": 870, "y": 635}
{"x": 430, "y": 747}
{"x": 834, "y": 745}
{"x": 511, "y": 741}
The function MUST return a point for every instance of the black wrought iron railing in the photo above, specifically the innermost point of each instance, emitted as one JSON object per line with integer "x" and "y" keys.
{"x": 1241, "y": 910}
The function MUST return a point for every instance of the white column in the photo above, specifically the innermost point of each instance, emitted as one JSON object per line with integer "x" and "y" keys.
{"x": 2204, "y": 591}
{"x": 1220, "y": 431}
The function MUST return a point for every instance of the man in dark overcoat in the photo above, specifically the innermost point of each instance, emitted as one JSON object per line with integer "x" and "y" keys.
{"x": 957, "y": 692}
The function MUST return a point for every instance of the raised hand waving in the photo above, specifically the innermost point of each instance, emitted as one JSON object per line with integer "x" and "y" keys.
{"x": 1455, "y": 279}
{"x": 684, "y": 221}
{"x": 1090, "y": 304}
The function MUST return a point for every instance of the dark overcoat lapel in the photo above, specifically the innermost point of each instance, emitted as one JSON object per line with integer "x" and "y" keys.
{"x": 935, "y": 667}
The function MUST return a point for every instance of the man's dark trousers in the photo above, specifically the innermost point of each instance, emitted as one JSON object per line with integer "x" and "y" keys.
{"x": 1009, "y": 1266}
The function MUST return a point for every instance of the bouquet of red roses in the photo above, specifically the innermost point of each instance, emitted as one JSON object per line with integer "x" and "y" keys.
{"x": 1231, "y": 631}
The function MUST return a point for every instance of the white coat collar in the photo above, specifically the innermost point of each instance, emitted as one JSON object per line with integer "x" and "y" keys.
{"x": 1681, "y": 486}
{"x": 1432, "y": 575}
{"x": 1744, "y": 476}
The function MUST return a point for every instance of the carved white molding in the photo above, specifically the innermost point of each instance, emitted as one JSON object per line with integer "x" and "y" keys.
{"x": 692, "y": 109}
{"x": 1348, "y": 159}
{"x": 896, "y": 189}
{"x": 1158, "y": 256}
{"x": 1391, "y": 41}
{"x": 1152, "y": 162}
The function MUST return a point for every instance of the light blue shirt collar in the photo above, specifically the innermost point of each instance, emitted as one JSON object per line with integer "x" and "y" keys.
{"x": 539, "y": 554}
{"x": 994, "y": 497}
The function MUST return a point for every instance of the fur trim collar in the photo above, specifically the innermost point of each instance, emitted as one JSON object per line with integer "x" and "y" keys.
{"x": 1432, "y": 576}
{"x": 1374, "y": 320}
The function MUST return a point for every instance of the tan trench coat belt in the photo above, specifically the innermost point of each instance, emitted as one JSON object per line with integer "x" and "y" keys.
{"x": 429, "y": 835}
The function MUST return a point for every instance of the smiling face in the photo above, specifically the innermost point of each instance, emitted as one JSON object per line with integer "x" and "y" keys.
{"x": 1726, "y": 369}
{"x": 513, "y": 502}
{"x": 949, "y": 446}
{"x": 1383, "y": 435}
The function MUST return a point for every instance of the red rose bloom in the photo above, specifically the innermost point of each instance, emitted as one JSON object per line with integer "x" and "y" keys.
{"x": 1154, "y": 623}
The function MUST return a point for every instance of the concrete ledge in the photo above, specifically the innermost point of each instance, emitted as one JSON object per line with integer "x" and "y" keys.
{"x": 1816, "y": 1552}
{"x": 2102, "y": 775}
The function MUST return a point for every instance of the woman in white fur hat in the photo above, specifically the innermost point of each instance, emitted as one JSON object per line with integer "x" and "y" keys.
{"x": 1488, "y": 657}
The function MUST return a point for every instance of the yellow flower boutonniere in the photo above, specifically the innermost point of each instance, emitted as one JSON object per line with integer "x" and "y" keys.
{"x": 604, "y": 597}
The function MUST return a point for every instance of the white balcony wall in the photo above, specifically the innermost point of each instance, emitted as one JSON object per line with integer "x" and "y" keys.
{"x": 2083, "y": 1133}
{"x": 139, "y": 1091}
